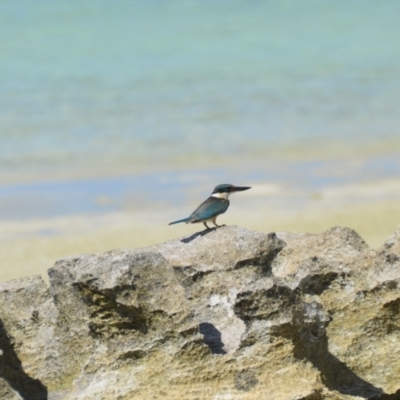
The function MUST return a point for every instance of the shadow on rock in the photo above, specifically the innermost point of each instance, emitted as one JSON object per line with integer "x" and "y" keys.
{"x": 197, "y": 234}
{"x": 393, "y": 396}
{"x": 310, "y": 341}
{"x": 212, "y": 338}
{"x": 11, "y": 371}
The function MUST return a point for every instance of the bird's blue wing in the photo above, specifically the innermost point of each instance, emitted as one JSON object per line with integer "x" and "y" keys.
{"x": 209, "y": 209}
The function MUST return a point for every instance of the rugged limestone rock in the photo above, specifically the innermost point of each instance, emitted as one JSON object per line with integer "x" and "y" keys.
{"x": 221, "y": 314}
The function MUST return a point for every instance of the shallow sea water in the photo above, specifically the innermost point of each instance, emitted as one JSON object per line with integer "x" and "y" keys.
{"x": 174, "y": 97}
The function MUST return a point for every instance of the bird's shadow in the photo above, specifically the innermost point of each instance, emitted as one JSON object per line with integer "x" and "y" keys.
{"x": 201, "y": 233}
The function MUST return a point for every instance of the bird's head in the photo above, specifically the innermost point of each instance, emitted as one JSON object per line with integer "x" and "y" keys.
{"x": 225, "y": 189}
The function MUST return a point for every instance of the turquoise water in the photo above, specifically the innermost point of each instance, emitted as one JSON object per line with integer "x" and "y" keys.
{"x": 87, "y": 84}
{"x": 180, "y": 189}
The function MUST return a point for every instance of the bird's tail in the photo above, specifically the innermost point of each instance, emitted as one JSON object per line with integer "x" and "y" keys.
{"x": 179, "y": 221}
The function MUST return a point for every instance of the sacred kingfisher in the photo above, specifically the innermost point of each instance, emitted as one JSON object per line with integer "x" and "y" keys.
{"x": 215, "y": 205}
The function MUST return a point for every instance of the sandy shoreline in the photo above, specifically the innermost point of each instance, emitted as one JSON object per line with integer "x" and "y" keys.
{"x": 32, "y": 246}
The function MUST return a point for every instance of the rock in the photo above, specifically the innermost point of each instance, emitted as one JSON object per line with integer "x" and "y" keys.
{"x": 221, "y": 314}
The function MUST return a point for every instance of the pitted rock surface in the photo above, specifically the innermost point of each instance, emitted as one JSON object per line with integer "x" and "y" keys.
{"x": 226, "y": 313}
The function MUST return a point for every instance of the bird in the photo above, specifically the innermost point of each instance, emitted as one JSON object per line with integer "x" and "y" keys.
{"x": 215, "y": 205}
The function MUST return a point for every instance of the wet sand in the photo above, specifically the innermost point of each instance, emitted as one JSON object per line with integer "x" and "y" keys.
{"x": 31, "y": 247}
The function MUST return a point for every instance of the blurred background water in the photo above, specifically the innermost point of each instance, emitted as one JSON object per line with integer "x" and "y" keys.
{"x": 109, "y": 106}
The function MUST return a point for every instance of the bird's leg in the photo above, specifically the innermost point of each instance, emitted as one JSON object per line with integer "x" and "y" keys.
{"x": 215, "y": 223}
{"x": 205, "y": 224}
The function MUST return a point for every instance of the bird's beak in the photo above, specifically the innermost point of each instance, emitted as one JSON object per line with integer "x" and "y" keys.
{"x": 240, "y": 188}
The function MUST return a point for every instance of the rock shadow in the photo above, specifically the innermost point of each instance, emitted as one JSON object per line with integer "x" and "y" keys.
{"x": 311, "y": 343}
{"x": 335, "y": 374}
{"x": 212, "y": 338}
{"x": 12, "y": 372}
{"x": 197, "y": 234}
{"x": 108, "y": 316}
{"x": 393, "y": 396}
